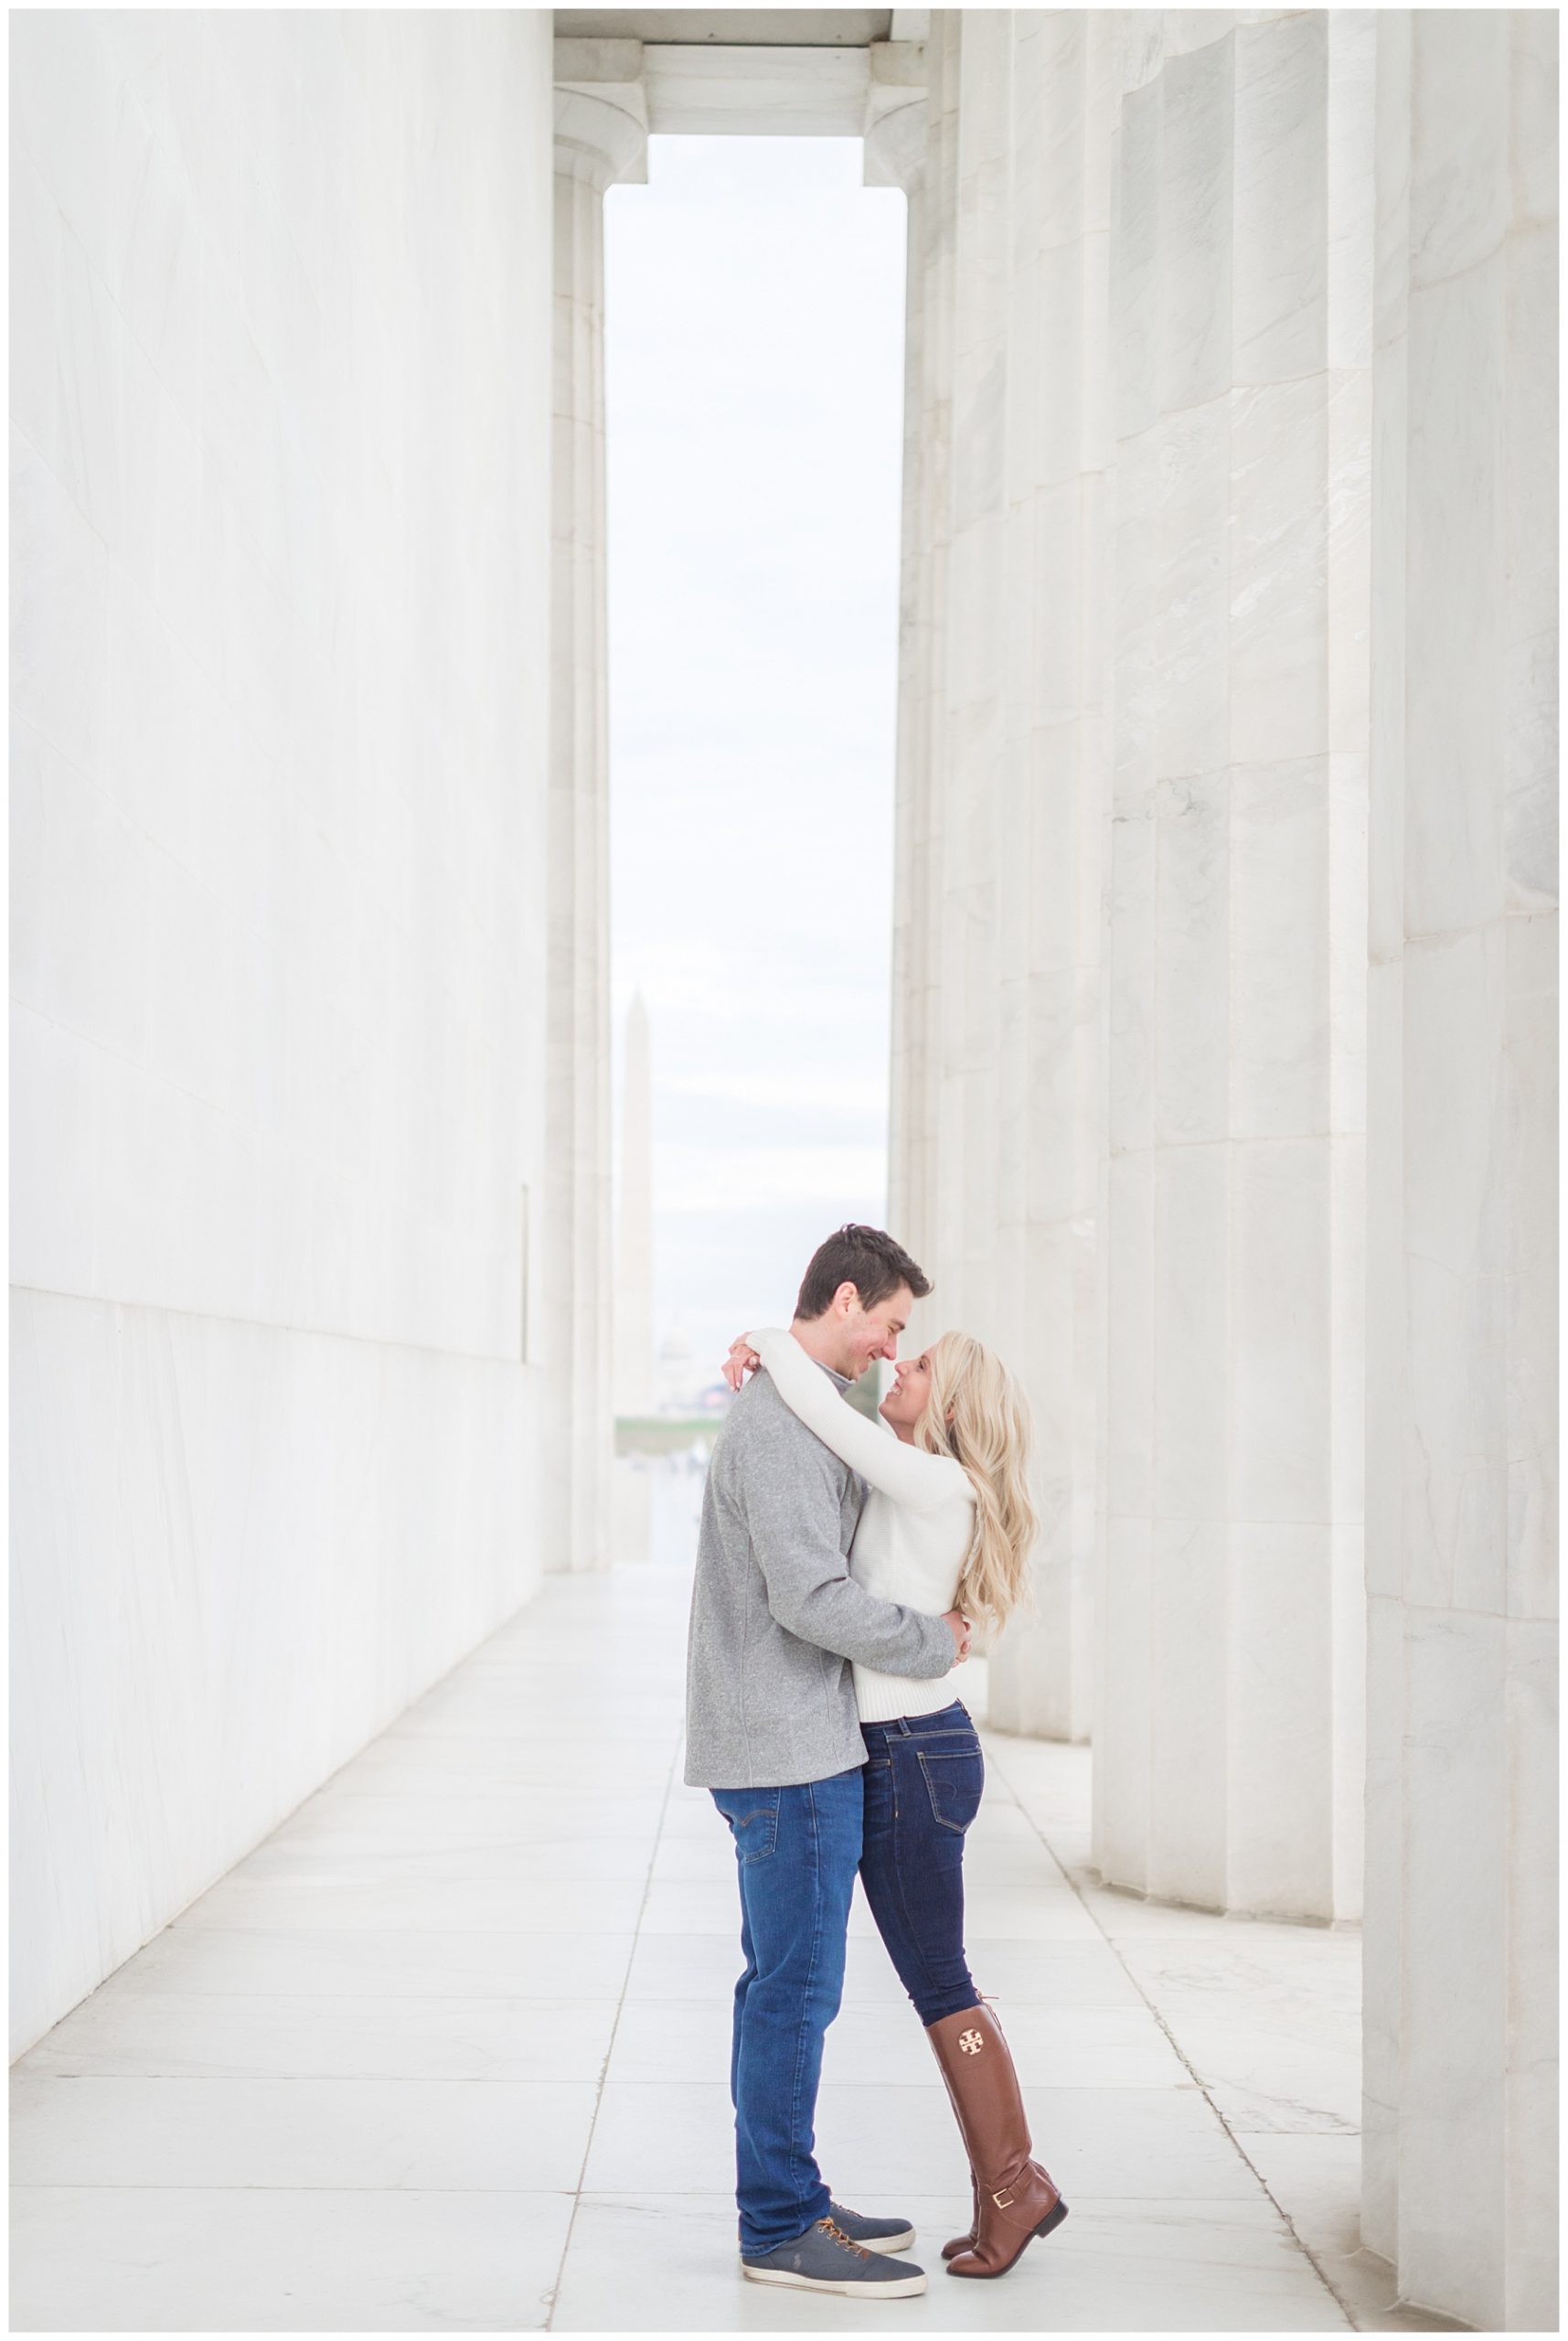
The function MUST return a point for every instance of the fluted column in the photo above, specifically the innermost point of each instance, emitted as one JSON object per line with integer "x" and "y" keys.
{"x": 1048, "y": 851}
{"x": 1228, "y": 1739}
{"x": 1461, "y": 1997}
{"x": 600, "y": 136}
{"x": 917, "y": 152}
{"x": 1001, "y": 782}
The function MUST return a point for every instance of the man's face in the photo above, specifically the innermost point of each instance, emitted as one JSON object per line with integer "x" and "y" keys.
{"x": 872, "y": 1333}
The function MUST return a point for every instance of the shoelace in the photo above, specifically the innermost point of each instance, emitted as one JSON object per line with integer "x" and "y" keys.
{"x": 839, "y": 2236}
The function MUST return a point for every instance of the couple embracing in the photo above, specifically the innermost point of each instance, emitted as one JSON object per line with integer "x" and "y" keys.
{"x": 840, "y": 1563}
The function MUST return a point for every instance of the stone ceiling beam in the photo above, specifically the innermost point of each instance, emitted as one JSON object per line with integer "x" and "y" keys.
{"x": 737, "y": 28}
{"x": 745, "y": 91}
{"x": 752, "y": 92}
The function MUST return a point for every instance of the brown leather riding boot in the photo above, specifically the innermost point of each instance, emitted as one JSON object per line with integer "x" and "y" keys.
{"x": 1015, "y": 2199}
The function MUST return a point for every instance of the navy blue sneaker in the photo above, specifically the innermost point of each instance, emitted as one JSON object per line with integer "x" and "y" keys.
{"x": 824, "y": 2260}
{"x": 881, "y": 2235}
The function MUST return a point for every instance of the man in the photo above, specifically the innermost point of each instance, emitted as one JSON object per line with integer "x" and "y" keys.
{"x": 773, "y": 1730}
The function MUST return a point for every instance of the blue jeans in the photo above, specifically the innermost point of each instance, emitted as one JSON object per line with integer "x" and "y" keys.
{"x": 796, "y": 1853}
{"x": 923, "y": 1779}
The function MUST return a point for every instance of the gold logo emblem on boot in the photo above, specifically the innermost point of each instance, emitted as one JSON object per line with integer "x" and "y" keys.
{"x": 971, "y": 2043}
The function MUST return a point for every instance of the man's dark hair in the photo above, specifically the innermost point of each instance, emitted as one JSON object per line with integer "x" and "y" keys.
{"x": 864, "y": 1257}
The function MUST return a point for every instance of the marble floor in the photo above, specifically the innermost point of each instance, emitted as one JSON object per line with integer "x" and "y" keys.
{"x": 448, "y": 2053}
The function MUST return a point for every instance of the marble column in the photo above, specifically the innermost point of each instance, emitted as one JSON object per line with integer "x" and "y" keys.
{"x": 1228, "y": 1739}
{"x": 600, "y": 136}
{"x": 923, "y": 165}
{"x": 1050, "y": 849}
{"x": 1002, "y": 794}
{"x": 909, "y": 118}
{"x": 1460, "y": 1990}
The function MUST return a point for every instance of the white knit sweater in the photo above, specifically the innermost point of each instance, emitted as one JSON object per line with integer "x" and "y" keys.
{"x": 915, "y": 1530}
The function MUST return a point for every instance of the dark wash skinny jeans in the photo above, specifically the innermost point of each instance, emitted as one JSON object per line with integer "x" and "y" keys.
{"x": 924, "y": 1774}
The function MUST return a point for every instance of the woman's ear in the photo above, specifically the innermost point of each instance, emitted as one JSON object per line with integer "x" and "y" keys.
{"x": 947, "y": 1417}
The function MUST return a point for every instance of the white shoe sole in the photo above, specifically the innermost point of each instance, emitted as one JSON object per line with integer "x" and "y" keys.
{"x": 883, "y": 2242}
{"x": 898, "y": 2288}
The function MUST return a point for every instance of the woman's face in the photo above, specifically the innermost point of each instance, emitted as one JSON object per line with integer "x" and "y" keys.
{"x": 905, "y": 1402}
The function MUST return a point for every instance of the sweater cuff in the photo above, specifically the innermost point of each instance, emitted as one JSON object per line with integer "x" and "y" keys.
{"x": 943, "y": 1652}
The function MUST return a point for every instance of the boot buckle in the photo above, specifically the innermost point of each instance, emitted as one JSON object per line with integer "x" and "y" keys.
{"x": 1003, "y": 2202}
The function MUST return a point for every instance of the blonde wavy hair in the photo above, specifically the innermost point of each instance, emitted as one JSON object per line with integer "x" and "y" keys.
{"x": 989, "y": 1434}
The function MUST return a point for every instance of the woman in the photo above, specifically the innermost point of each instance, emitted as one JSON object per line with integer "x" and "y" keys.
{"x": 948, "y": 1523}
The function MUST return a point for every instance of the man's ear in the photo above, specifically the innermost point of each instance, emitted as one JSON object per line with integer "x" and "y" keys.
{"x": 846, "y": 1297}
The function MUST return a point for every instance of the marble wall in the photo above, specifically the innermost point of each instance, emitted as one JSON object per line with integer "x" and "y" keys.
{"x": 280, "y": 393}
{"x": 1460, "y": 1987}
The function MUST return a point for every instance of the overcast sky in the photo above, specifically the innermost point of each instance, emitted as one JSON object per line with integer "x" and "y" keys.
{"x": 754, "y": 299}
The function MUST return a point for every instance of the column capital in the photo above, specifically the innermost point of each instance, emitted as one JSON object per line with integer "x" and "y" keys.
{"x": 893, "y": 127}
{"x": 601, "y": 112}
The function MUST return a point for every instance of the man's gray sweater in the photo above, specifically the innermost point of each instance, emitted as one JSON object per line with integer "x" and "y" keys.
{"x": 776, "y": 1615}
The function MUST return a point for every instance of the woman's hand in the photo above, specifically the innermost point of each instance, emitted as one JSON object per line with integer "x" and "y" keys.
{"x": 742, "y": 1360}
